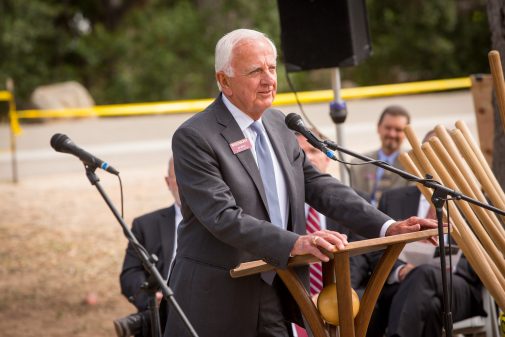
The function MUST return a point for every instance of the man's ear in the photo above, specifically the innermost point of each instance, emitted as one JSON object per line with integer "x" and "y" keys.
{"x": 223, "y": 81}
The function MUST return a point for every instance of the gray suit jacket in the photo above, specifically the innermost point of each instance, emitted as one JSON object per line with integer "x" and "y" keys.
{"x": 226, "y": 220}
{"x": 363, "y": 177}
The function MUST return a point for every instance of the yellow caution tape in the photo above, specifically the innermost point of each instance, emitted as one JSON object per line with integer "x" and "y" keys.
{"x": 14, "y": 122}
{"x": 191, "y": 106}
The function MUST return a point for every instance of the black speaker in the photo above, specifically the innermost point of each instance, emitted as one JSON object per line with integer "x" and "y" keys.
{"x": 323, "y": 33}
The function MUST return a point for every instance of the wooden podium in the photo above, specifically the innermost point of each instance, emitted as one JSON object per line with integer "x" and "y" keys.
{"x": 338, "y": 270}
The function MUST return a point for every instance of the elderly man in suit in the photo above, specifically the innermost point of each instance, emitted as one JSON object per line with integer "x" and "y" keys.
{"x": 243, "y": 181}
{"x": 156, "y": 231}
{"x": 373, "y": 180}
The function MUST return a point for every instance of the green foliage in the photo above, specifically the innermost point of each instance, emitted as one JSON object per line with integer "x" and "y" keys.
{"x": 28, "y": 43}
{"x": 421, "y": 40}
{"x": 160, "y": 54}
{"x": 151, "y": 50}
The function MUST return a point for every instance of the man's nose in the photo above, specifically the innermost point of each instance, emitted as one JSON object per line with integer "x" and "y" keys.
{"x": 393, "y": 133}
{"x": 268, "y": 78}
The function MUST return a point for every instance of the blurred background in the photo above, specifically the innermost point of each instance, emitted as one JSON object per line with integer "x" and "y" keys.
{"x": 61, "y": 250}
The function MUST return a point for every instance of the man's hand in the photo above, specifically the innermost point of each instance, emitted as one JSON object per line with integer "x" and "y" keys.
{"x": 159, "y": 297}
{"x": 310, "y": 244}
{"x": 412, "y": 224}
{"x": 404, "y": 270}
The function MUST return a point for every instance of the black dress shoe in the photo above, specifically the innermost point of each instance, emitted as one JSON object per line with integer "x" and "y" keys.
{"x": 129, "y": 325}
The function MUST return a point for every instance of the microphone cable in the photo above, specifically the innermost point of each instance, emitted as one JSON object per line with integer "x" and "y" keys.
{"x": 340, "y": 159}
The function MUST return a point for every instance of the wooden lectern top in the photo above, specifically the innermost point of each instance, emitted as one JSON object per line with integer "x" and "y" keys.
{"x": 339, "y": 266}
{"x": 353, "y": 248}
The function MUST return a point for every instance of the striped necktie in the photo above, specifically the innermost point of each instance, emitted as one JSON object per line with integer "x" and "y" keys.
{"x": 315, "y": 269}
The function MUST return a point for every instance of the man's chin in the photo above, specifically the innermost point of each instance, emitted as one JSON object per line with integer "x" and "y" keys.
{"x": 392, "y": 147}
{"x": 266, "y": 102}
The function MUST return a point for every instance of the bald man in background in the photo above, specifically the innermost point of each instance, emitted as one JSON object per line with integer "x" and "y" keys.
{"x": 157, "y": 232}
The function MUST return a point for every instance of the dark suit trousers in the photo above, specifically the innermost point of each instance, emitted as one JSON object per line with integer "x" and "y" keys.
{"x": 271, "y": 322}
{"x": 379, "y": 320}
{"x": 417, "y": 307}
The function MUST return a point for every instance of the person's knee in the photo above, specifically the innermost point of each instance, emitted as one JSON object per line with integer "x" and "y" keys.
{"x": 426, "y": 272}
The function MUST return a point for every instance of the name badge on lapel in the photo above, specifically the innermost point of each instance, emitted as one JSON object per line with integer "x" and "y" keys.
{"x": 240, "y": 145}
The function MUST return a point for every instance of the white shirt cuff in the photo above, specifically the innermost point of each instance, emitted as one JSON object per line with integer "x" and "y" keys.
{"x": 385, "y": 227}
{"x": 393, "y": 277}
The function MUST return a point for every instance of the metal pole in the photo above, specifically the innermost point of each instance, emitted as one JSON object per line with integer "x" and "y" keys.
{"x": 13, "y": 147}
{"x": 337, "y": 98}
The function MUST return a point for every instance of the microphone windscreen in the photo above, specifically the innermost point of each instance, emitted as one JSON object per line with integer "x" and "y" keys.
{"x": 57, "y": 141}
{"x": 292, "y": 121}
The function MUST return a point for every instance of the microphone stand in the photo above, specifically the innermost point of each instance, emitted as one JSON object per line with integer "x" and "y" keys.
{"x": 438, "y": 199}
{"x": 155, "y": 280}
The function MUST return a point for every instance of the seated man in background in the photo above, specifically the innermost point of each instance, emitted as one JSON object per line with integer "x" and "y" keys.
{"x": 411, "y": 302}
{"x": 157, "y": 232}
{"x": 373, "y": 180}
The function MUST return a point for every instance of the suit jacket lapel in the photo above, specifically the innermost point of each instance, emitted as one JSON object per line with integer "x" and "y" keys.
{"x": 167, "y": 225}
{"x": 279, "y": 148}
{"x": 232, "y": 133}
{"x": 395, "y": 178}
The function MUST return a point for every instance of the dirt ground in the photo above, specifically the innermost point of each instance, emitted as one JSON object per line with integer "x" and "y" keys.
{"x": 59, "y": 244}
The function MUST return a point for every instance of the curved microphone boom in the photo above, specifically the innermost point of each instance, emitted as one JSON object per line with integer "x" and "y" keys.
{"x": 295, "y": 123}
{"x": 62, "y": 143}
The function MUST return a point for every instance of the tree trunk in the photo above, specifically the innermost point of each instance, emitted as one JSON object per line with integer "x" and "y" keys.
{"x": 496, "y": 18}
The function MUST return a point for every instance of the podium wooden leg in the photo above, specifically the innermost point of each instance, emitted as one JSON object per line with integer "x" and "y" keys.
{"x": 329, "y": 278}
{"x": 302, "y": 298}
{"x": 374, "y": 287}
{"x": 344, "y": 295}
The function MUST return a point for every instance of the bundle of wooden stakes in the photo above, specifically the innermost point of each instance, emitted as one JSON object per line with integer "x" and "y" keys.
{"x": 453, "y": 158}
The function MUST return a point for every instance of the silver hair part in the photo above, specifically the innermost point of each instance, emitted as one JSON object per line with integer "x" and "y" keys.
{"x": 225, "y": 45}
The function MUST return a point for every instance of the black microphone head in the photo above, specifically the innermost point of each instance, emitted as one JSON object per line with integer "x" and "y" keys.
{"x": 293, "y": 121}
{"x": 58, "y": 142}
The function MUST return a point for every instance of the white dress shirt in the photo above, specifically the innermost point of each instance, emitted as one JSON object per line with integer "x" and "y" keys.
{"x": 178, "y": 219}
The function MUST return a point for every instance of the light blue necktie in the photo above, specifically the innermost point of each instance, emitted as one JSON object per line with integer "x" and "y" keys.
{"x": 266, "y": 167}
{"x": 379, "y": 172}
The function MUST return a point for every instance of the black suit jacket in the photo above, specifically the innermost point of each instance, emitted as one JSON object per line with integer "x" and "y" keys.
{"x": 226, "y": 219}
{"x": 156, "y": 232}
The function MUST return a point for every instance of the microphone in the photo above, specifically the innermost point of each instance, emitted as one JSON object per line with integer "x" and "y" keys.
{"x": 61, "y": 143}
{"x": 295, "y": 123}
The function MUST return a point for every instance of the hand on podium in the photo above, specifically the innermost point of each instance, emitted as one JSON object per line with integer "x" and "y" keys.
{"x": 413, "y": 224}
{"x": 323, "y": 239}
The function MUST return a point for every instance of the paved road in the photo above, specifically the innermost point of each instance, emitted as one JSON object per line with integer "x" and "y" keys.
{"x": 142, "y": 143}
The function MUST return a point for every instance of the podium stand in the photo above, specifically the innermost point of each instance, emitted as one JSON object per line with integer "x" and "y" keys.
{"x": 338, "y": 270}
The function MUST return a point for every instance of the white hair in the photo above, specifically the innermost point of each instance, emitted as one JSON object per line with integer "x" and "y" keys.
{"x": 225, "y": 45}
